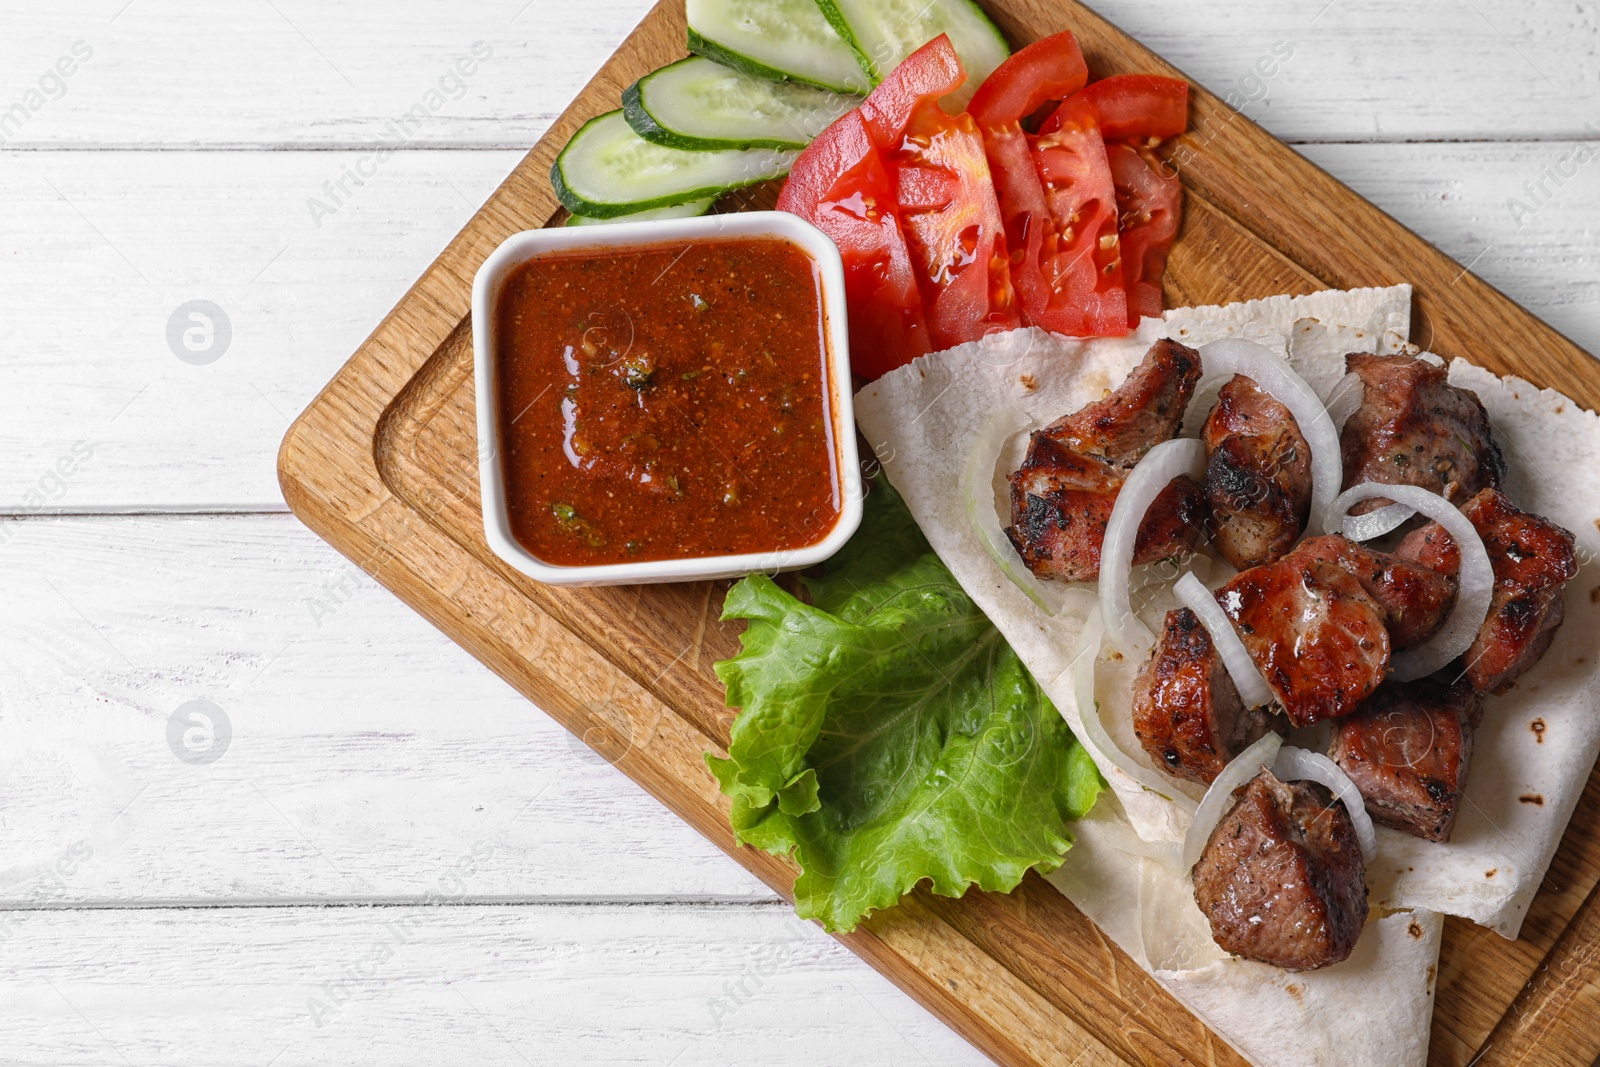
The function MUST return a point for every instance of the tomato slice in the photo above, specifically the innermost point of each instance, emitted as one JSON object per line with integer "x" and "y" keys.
{"x": 1083, "y": 271}
{"x": 932, "y": 71}
{"x": 952, "y": 221}
{"x": 1055, "y": 194}
{"x": 1046, "y": 70}
{"x": 1137, "y": 107}
{"x": 1150, "y": 207}
{"x": 946, "y": 199}
{"x": 841, "y": 185}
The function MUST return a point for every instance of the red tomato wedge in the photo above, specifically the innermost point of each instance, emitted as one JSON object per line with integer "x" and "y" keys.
{"x": 1131, "y": 107}
{"x": 1084, "y": 270}
{"x": 1055, "y": 194}
{"x": 1046, "y": 70}
{"x": 952, "y": 221}
{"x": 1150, "y": 206}
{"x": 940, "y": 200}
{"x": 841, "y": 185}
{"x": 932, "y": 71}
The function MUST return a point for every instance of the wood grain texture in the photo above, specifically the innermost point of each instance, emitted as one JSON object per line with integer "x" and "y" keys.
{"x": 410, "y": 521}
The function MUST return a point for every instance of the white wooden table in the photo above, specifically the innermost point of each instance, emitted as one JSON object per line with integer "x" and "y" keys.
{"x": 380, "y": 853}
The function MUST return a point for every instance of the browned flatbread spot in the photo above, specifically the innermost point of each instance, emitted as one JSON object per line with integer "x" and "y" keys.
{"x": 1536, "y": 799}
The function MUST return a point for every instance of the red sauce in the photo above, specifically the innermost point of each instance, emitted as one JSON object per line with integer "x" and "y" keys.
{"x": 666, "y": 402}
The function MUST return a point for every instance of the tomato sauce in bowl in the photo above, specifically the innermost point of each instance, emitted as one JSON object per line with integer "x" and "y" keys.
{"x": 668, "y": 401}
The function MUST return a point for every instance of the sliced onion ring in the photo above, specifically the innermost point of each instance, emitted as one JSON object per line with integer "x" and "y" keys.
{"x": 1376, "y": 523}
{"x": 1476, "y": 581}
{"x": 1277, "y": 379}
{"x": 1345, "y": 399}
{"x": 977, "y": 489}
{"x": 1247, "y": 678}
{"x": 1214, "y": 805}
{"x": 1298, "y": 764}
{"x": 1163, "y": 463}
{"x": 1096, "y": 737}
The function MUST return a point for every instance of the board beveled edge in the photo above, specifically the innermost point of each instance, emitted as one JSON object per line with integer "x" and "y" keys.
{"x": 356, "y": 513}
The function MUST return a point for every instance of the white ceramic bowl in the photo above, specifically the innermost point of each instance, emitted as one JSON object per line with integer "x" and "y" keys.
{"x": 521, "y": 247}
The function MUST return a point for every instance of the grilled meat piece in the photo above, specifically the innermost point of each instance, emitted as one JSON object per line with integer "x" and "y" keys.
{"x": 1186, "y": 711}
{"x": 1061, "y": 502}
{"x": 1146, "y": 409}
{"x": 1407, "y": 750}
{"x": 1281, "y": 878}
{"x": 1415, "y": 428}
{"x": 1062, "y": 495}
{"x": 1533, "y": 560}
{"x": 1415, "y": 598}
{"x": 1317, "y": 636}
{"x": 1258, "y": 475}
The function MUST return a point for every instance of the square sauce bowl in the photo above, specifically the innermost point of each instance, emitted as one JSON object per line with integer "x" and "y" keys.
{"x": 665, "y": 401}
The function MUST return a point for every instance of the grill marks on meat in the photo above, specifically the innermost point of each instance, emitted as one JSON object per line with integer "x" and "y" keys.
{"x": 1415, "y": 598}
{"x": 1407, "y": 750}
{"x": 1186, "y": 711}
{"x": 1281, "y": 879}
{"x": 1533, "y": 560}
{"x": 1316, "y": 634}
{"x": 1258, "y": 475}
{"x": 1415, "y": 428}
{"x": 1063, "y": 494}
{"x": 1146, "y": 409}
{"x": 1061, "y": 502}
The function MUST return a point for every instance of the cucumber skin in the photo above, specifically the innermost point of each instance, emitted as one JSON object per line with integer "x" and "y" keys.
{"x": 713, "y": 51}
{"x": 645, "y": 125}
{"x": 584, "y": 220}
{"x": 836, "y": 19}
{"x": 595, "y": 210}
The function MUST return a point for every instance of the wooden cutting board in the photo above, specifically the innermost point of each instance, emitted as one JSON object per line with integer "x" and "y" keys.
{"x": 383, "y": 465}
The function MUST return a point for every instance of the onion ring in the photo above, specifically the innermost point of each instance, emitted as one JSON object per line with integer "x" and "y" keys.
{"x": 1214, "y": 805}
{"x": 1163, "y": 463}
{"x": 977, "y": 489}
{"x": 1095, "y": 735}
{"x": 1298, "y": 764}
{"x": 1247, "y": 677}
{"x": 1461, "y": 628}
{"x": 1278, "y": 380}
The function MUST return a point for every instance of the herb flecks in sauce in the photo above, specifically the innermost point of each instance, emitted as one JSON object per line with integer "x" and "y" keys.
{"x": 666, "y": 402}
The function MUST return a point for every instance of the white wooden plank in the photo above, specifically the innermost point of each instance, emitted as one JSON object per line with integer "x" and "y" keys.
{"x": 369, "y": 756}
{"x": 98, "y": 249}
{"x": 337, "y": 73}
{"x": 299, "y": 72}
{"x": 451, "y": 985}
{"x": 1483, "y": 205}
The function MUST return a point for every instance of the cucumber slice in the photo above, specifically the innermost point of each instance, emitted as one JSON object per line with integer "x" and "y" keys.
{"x": 777, "y": 39}
{"x": 884, "y": 32}
{"x": 607, "y": 170}
{"x": 699, "y": 105}
{"x": 677, "y": 211}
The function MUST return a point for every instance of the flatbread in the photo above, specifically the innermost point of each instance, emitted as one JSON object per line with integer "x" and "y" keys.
{"x": 924, "y": 422}
{"x": 1374, "y": 1008}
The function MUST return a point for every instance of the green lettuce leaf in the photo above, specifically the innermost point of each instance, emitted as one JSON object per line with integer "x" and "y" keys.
{"x": 890, "y": 735}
